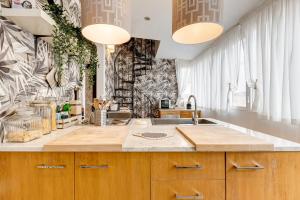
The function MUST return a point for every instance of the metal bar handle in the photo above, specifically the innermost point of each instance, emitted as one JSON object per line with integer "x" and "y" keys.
{"x": 199, "y": 167}
{"x": 244, "y": 168}
{"x": 93, "y": 166}
{"x": 195, "y": 197}
{"x": 50, "y": 166}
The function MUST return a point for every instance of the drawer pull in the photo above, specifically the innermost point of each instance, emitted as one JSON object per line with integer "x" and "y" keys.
{"x": 93, "y": 166}
{"x": 50, "y": 166}
{"x": 199, "y": 167}
{"x": 195, "y": 197}
{"x": 244, "y": 168}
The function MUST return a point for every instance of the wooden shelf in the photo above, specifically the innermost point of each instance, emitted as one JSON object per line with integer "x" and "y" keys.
{"x": 36, "y": 21}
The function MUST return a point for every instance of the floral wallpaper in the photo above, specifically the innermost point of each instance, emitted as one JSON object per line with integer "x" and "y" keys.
{"x": 73, "y": 9}
{"x": 25, "y": 61}
{"x": 159, "y": 82}
{"x": 16, "y": 58}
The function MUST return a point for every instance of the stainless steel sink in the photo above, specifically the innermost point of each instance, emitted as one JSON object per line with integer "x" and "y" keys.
{"x": 179, "y": 121}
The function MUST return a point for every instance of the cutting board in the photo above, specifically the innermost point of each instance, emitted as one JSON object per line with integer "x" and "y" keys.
{"x": 219, "y": 138}
{"x": 90, "y": 139}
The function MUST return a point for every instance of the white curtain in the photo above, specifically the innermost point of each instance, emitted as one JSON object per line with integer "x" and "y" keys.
{"x": 213, "y": 75}
{"x": 266, "y": 46}
{"x": 272, "y": 50}
{"x": 183, "y": 74}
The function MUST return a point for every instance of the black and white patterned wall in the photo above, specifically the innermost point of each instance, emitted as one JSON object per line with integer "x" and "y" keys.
{"x": 25, "y": 61}
{"x": 158, "y": 83}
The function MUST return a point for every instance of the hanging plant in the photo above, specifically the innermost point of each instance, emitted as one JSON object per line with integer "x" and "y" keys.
{"x": 69, "y": 43}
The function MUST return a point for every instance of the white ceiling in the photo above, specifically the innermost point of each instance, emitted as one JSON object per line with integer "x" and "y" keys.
{"x": 160, "y": 25}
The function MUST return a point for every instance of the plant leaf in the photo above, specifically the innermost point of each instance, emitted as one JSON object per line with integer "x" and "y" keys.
{"x": 7, "y": 62}
{"x": 8, "y": 40}
{"x": 3, "y": 54}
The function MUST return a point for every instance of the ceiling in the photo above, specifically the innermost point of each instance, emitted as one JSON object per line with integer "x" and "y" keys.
{"x": 160, "y": 25}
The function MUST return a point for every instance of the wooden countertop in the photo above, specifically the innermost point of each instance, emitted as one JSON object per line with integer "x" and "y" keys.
{"x": 90, "y": 138}
{"x": 219, "y": 138}
{"x": 180, "y": 109}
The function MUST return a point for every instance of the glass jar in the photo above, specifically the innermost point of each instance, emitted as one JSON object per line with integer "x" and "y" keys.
{"x": 44, "y": 110}
{"x": 23, "y": 126}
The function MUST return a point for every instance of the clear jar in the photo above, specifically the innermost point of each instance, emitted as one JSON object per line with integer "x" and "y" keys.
{"x": 44, "y": 110}
{"x": 23, "y": 126}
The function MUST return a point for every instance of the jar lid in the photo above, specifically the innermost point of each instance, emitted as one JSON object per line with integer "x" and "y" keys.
{"x": 16, "y": 118}
{"x": 40, "y": 103}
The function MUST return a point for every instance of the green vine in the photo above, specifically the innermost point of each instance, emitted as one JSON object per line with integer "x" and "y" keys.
{"x": 69, "y": 43}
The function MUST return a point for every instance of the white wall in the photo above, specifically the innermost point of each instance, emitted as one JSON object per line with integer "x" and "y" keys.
{"x": 255, "y": 122}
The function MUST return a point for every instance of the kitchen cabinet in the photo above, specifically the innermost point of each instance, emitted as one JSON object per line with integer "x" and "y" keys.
{"x": 187, "y": 166}
{"x": 36, "y": 176}
{"x": 174, "y": 113}
{"x": 155, "y": 176}
{"x": 186, "y": 114}
{"x": 188, "y": 176}
{"x": 189, "y": 189}
{"x": 112, "y": 176}
{"x": 169, "y": 113}
{"x": 263, "y": 176}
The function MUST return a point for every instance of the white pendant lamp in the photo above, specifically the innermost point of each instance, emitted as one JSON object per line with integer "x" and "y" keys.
{"x": 106, "y": 21}
{"x": 196, "y": 21}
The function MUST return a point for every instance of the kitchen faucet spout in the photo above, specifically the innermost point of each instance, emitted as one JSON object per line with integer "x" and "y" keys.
{"x": 195, "y": 115}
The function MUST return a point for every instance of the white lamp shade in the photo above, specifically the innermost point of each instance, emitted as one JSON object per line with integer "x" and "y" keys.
{"x": 196, "y": 21}
{"x": 106, "y": 21}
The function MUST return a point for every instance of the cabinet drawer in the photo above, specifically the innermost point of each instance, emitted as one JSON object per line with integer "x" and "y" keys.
{"x": 183, "y": 190}
{"x": 262, "y": 176}
{"x": 187, "y": 166}
{"x": 169, "y": 114}
{"x": 250, "y": 165}
{"x": 186, "y": 114}
{"x": 36, "y": 176}
{"x": 112, "y": 176}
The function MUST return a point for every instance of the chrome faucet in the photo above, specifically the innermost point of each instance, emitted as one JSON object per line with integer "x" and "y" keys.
{"x": 195, "y": 115}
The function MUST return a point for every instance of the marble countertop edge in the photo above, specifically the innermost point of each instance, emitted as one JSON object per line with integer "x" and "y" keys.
{"x": 176, "y": 143}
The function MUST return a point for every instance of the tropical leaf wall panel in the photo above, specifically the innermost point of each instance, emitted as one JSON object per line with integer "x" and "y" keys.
{"x": 73, "y": 9}
{"x": 25, "y": 64}
{"x": 160, "y": 82}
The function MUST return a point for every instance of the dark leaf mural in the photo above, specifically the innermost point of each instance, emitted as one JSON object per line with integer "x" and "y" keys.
{"x": 160, "y": 82}
{"x": 24, "y": 65}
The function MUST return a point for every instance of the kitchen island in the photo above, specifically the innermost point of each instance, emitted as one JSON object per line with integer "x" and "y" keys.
{"x": 156, "y": 169}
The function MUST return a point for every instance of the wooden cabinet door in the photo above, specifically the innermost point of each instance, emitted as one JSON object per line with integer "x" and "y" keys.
{"x": 169, "y": 114}
{"x": 187, "y": 166}
{"x": 112, "y": 176}
{"x": 189, "y": 114}
{"x": 188, "y": 176}
{"x": 263, "y": 176}
{"x": 186, "y": 114}
{"x": 188, "y": 189}
{"x": 36, "y": 176}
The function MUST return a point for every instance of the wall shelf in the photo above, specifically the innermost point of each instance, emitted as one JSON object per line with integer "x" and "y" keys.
{"x": 36, "y": 21}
